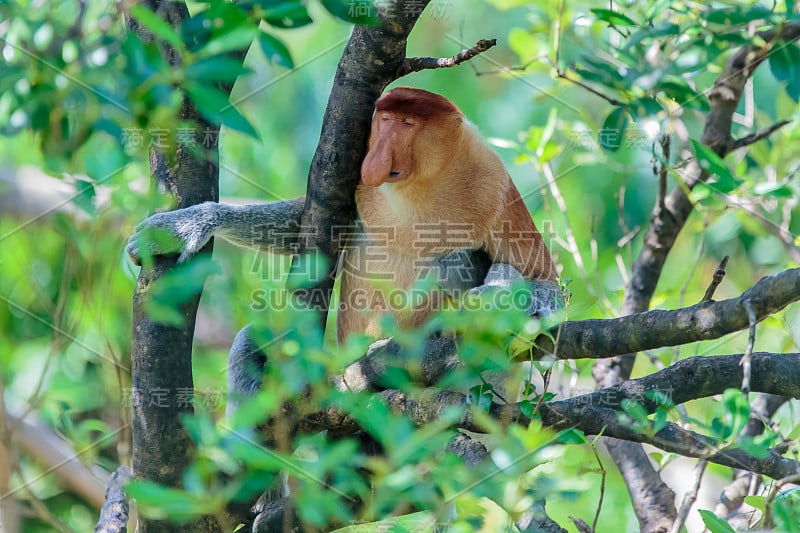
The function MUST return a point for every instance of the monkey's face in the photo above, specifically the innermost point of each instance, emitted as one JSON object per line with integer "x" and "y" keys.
{"x": 392, "y": 147}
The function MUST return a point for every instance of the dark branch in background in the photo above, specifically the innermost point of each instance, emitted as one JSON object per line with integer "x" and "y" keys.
{"x": 758, "y": 136}
{"x": 114, "y": 513}
{"x": 666, "y": 222}
{"x": 664, "y": 142}
{"x": 611, "y": 100}
{"x": 415, "y": 64}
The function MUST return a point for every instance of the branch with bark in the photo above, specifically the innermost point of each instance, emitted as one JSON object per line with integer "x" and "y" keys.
{"x": 653, "y": 501}
{"x": 415, "y": 64}
{"x": 588, "y": 339}
{"x": 596, "y": 413}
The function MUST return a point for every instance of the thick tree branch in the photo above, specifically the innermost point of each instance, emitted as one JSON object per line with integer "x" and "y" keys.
{"x": 114, "y": 513}
{"x": 666, "y": 221}
{"x": 657, "y": 328}
{"x": 386, "y": 361}
{"x": 161, "y": 354}
{"x": 701, "y": 377}
{"x": 415, "y": 64}
{"x": 429, "y": 405}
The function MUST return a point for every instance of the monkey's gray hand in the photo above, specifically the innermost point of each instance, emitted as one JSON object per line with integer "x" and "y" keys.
{"x": 183, "y": 230}
{"x": 544, "y": 297}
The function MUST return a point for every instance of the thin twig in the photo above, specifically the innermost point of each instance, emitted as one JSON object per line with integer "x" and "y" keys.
{"x": 415, "y": 64}
{"x": 602, "y": 485}
{"x": 759, "y": 135}
{"x": 748, "y": 354}
{"x": 781, "y": 231}
{"x": 664, "y": 142}
{"x": 572, "y": 244}
{"x": 564, "y": 76}
{"x": 719, "y": 275}
{"x": 690, "y": 497}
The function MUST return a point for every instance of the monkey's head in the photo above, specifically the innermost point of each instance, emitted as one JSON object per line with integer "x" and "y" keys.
{"x": 412, "y": 135}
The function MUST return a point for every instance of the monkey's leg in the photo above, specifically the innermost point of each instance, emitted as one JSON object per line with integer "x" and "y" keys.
{"x": 246, "y": 364}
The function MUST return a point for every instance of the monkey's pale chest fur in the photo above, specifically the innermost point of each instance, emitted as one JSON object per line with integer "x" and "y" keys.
{"x": 405, "y": 231}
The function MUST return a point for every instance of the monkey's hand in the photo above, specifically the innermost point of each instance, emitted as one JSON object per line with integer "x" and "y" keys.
{"x": 183, "y": 231}
{"x": 272, "y": 227}
{"x": 545, "y": 297}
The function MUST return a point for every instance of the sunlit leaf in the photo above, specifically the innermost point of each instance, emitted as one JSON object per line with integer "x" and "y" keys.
{"x": 216, "y": 68}
{"x": 275, "y": 51}
{"x": 215, "y": 106}
{"x": 711, "y": 162}
{"x": 612, "y": 17}
{"x": 158, "y": 26}
{"x": 715, "y": 524}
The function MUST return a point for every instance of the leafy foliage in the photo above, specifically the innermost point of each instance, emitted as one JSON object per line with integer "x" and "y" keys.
{"x": 77, "y": 92}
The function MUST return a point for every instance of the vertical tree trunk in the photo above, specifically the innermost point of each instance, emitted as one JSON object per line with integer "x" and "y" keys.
{"x": 161, "y": 355}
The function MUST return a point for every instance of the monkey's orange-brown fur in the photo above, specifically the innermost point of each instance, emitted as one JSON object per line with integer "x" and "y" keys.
{"x": 427, "y": 166}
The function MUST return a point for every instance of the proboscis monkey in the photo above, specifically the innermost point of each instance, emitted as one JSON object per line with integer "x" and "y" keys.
{"x": 431, "y": 191}
{"x": 430, "y": 186}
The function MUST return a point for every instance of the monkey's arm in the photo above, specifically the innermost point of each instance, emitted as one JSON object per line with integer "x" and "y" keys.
{"x": 270, "y": 227}
{"x": 515, "y": 240}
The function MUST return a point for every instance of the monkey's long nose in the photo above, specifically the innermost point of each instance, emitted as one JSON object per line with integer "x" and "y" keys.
{"x": 377, "y": 166}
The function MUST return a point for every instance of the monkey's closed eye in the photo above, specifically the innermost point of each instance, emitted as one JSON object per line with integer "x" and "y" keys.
{"x": 408, "y": 122}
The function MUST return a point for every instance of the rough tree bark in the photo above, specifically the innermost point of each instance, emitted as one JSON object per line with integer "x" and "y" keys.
{"x": 653, "y": 501}
{"x": 161, "y": 355}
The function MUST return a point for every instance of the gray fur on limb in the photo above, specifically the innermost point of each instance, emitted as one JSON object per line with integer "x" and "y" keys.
{"x": 269, "y": 227}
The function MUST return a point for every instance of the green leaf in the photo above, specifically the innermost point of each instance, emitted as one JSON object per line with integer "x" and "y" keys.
{"x": 214, "y": 105}
{"x": 783, "y": 61}
{"x": 156, "y": 501}
{"x": 291, "y": 14}
{"x": 714, "y": 524}
{"x": 612, "y": 17}
{"x": 677, "y": 88}
{"x": 729, "y": 16}
{"x": 661, "y": 29}
{"x": 239, "y": 38}
{"x": 736, "y": 409}
{"x": 613, "y": 131}
{"x": 526, "y": 408}
{"x": 710, "y": 161}
{"x": 635, "y": 410}
{"x": 362, "y": 12}
{"x": 756, "y": 502}
{"x": 646, "y": 106}
{"x": 773, "y": 190}
{"x": 275, "y": 51}
{"x": 216, "y": 68}
{"x": 789, "y": 6}
{"x": 158, "y": 26}
{"x": 793, "y": 90}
